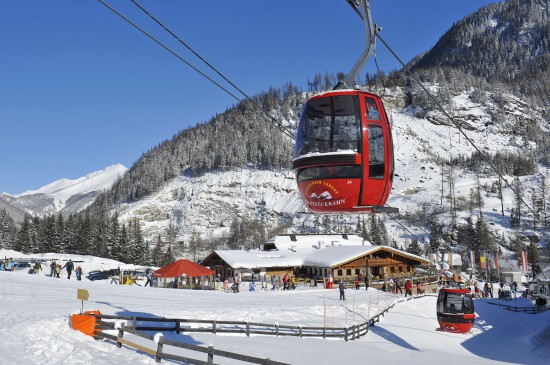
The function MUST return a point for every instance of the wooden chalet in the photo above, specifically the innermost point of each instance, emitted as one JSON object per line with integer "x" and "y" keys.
{"x": 315, "y": 256}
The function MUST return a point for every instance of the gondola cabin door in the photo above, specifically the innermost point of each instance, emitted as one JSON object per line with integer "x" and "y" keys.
{"x": 344, "y": 153}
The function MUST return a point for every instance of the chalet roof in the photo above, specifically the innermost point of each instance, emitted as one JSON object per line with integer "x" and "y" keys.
{"x": 312, "y": 242}
{"x": 255, "y": 259}
{"x": 317, "y": 257}
{"x": 337, "y": 255}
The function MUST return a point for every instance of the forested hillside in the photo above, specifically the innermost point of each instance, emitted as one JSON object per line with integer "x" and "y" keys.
{"x": 506, "y": 44}
{"x": 241, "y": 136}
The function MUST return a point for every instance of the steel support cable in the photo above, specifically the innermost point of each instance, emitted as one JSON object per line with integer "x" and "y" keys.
{"x": 274, "y": 120}
{"x": 440, "y": 107}
{"x": 406, "y": 229}
{"x": 168, "y": 49}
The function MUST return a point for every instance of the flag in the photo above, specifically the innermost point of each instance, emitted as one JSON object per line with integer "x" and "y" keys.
{"x": 472, "y": 259}
{"x": 523, "y": 255}
{"x": 482, "y": 261}
{"x": 495, "y": 257}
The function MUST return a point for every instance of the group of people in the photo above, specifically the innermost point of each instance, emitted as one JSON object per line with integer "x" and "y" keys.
{"x": 396, "y": 285}
{"x": 6, "y": 264}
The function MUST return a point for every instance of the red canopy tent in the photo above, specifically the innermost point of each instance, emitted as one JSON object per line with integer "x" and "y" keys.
{"x": 183, "y": 267}
{"x": 183, "y": 271}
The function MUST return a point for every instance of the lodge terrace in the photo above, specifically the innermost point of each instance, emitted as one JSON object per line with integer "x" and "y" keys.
{"x": 315, "y": 256}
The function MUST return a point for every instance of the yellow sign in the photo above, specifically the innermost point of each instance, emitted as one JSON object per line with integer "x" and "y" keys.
{"x": 82, "y": 294}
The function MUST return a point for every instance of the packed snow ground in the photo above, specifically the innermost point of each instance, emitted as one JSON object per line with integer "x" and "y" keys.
{"x": 35, "y": 311}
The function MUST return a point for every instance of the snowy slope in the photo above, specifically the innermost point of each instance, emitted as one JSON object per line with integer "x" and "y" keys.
{"x": 35, "y": 310}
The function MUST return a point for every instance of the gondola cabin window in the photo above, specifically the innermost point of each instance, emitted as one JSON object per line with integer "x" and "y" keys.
{"x": 329, "y": 172}
{"x": 454, "y": 303}
{"x": 376, "y": 151}
{"x": 329, "y": 124}
{"x": 372, "y": 109}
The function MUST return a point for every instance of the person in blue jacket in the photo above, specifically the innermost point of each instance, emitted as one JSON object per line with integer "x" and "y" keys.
{"x": 342, "y": 288}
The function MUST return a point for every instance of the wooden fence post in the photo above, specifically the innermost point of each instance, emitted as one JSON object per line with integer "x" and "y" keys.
{"x": 120, "y": 335}
{"x": 300, "y": 330}
{"x": 346, "y": 334}
{"x": 277, "y": 329}
{"x": 158, "y": 357}
{"x": 134, "y": 320}
{"x": 210, "y": 354}
{"x": 247, "y": 329}
{"x": 214, "y": 326}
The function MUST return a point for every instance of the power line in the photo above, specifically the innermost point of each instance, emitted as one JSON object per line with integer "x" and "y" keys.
{"x": 284, "y": 129}
{"x": 440, "y": 107}
{"x": 168, "y": 49}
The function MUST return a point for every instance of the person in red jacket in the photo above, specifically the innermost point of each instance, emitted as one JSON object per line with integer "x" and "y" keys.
{"x": 408, "y": 288}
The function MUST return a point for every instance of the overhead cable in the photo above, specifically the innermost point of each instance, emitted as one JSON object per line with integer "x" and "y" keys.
{"x": 440, "y": 107}
{"x": 284, "y": 129}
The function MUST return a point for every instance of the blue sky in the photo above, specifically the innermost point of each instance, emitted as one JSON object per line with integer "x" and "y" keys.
{"x": 80, "y": 89}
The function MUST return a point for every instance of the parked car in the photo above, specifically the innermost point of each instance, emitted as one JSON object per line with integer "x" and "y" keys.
{"x": 101, "y": 275}
{"x": 21, "y": 266}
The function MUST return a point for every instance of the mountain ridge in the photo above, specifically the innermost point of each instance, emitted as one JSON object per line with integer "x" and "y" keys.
{"x": 64, "y": 196}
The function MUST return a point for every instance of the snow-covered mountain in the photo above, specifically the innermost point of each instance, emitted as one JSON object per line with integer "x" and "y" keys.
{"x": 207, "y": 204}
{"x": 62, "y": 196}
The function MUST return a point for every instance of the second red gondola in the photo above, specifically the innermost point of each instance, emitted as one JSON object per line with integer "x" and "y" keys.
{"x": 455, "y": 310}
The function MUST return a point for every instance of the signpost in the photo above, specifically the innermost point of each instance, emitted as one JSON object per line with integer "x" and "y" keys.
{"x": 83, "y": 295}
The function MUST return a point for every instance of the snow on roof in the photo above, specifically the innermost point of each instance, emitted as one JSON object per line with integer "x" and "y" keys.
{"x": 255, "y": 259}
{"x": 332, "y": 256}
{"x": 311, "y": 243}
{"x": 317, "y": 257}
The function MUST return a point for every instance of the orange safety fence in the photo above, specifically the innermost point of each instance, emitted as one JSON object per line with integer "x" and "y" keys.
{"x": 85, "y": 322}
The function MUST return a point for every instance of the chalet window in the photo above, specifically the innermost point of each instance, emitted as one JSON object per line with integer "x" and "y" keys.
{"x": 400, "y": 268}
{"x": 348, "y": 272}
{"x": 392, "y": 270}
{"x": 357, "y": 271}
{"x": 339, "y": 272}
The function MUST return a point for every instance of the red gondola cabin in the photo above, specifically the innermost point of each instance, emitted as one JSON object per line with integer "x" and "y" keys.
{"x": 344, "y": 154}
{"x": 455, "y": 310}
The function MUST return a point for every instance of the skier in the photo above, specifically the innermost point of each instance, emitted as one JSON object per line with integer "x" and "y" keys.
{"x": 149, "y": 276}
{"x": 408, "y": 288}
{"x": 418, "y": 288}
{"x": 52, "y": 269}
{"x": 69, "y": 266}
{"x": 398, "y": 285}
{"x": 78, "y": 273}
{"x": 342, "y": 287}
{"x": 37, "y": 267}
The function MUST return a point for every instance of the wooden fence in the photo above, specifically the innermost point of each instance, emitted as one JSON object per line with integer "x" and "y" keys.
{"x": 529, "y": 310}
{"x": 137, "y": 325}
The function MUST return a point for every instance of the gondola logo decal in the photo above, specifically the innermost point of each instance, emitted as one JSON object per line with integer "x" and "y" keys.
{"x": 323, "y": 194}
